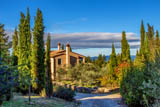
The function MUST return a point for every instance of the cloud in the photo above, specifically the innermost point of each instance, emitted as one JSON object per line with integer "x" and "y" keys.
{"x": 93, "y": 39}
{"x": 90, "y": 39}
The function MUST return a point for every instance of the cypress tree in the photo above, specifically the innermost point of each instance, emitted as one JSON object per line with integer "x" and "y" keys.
{"x": 21, "y": 55}
{"x": 3, "y": 44}
{"x": 142, "y": 38}
{"x": 157, "y": 38}
{"x": 150, "y": 32}
{"x": 38, "y": 52}
{"x": 62, "y": 47}
{"x": 147, "y": 50}
{"x": 125, "y": 49}
{"x": 113, "y": 59}
{"x": 28, "y": 36}
{"x": 48, "y": 70}
{"x": 24, "y": 50}
{"x": 111, "y": 66}
{"x": 15, "y": 47}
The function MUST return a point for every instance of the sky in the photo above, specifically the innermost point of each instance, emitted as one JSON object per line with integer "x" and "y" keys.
{"x": 88, "y": 22}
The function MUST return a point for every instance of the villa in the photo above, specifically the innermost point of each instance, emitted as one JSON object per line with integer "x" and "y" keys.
{"x": 64, "y": 58}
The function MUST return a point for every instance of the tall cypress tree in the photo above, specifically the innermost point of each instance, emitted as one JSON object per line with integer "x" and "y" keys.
{"x": 48, "y": 71}
{"x": 157, "y": 38}
{"x": 21, "y": 49}
{"x": 150, "y": 32}
{"x": 113, "y": 59}
{"x": 146, "y": 47}
{"x": 38, "y": 52}
{"x": 3, "y": 44}
{"x": 125, "y": 49}
{"x": 28, "y": 36}
{"x": 24, "y": 50}
{"x": 15, "y": 47}
{"x": 62, "y": 47}
{"x": 142, "y": 38}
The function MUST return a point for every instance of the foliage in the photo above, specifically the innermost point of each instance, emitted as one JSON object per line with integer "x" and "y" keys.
{"x": 100, "y": 60}
{"x": 125, "y": 49}
{"x": 140, "y": 87}
{"x": 24, "y": 50}
{"x": 4, "y": 46}
{"x": 88, "y": 59}
{"x": 15, "y": 47}
{"x": 142, "y": 49}
{"x": 85, "y": 74}
{"x": 62, "y": 47}
{"x": 43, "y": 93}
{"x": 38, "y": 53}
{"x": 64, "y": 93}
{"x": 109, "y": 79}
{"x": 47, "y": 68}
{"x": 8, "y": 80}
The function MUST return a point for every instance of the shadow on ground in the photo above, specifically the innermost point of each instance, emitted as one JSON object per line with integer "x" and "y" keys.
{"x": 110, "y": 99}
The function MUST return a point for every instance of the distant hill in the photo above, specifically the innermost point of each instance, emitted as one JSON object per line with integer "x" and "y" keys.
{"x": 107, "y": 57}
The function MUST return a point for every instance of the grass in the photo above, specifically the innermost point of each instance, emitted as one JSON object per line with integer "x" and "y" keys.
{"x": 37, "y": 101}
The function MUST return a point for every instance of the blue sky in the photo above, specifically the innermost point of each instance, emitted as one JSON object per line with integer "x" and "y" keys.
{"x": 70, "y": 16}
{"x": 63, "y": 16}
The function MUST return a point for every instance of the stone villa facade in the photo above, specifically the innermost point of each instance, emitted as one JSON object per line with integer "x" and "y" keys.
{"x": 64, "y": 58}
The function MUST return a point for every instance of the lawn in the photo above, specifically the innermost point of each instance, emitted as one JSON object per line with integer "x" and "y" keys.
{"x": 37, "y": 101}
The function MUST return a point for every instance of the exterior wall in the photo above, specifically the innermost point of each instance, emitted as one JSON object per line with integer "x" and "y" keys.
{"x": 63, "y": 61}
{"x": 68, "y": 58}
{"x": 73, "y": 60}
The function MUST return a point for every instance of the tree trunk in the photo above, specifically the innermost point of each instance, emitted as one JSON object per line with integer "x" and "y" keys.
{"x": 29, "y": 94}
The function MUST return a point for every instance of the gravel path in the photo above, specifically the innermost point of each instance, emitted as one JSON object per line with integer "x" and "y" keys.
{"x": 98, "y": 100}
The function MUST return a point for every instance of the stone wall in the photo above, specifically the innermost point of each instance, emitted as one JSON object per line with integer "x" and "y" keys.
{"x": 84, "y": 89}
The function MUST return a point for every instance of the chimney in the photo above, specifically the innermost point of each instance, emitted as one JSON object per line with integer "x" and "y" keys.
{"x": 59, "y": 46}
{"x": 67, "y": 54}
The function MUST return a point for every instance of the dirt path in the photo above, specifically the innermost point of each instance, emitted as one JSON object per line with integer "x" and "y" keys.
{"x": 98, "y": 100}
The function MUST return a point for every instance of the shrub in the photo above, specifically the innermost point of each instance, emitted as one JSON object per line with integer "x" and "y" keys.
{"x": 64, "y": 93}
{"x": 141, "y": 87}
{"x": 43, "y": 93}
{"x": 8, "y": 79}
{"x": 84, "y": 74}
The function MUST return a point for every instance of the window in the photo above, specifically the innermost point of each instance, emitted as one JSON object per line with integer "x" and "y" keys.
{"x": 59, "y": 61}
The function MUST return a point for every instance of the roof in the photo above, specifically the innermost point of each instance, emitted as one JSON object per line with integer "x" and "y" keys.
{"x": 62, "y": 52}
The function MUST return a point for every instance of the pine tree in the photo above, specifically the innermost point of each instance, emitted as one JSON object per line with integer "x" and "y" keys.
{"x": 48, "y": 71}
{"x": 125, "y": 48}
{"x": 15, "y": 47}
{"x": 38, "y": 71}
{"x": 3, "y": 44}
{"x": 142, "y": 38}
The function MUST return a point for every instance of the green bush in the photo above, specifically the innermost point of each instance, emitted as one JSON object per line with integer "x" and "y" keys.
{"x": 8, "y": 80}
{"x": 85, "y": 74}
{"x": 64, "y": 93}
{"x": 141, "y": 87}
